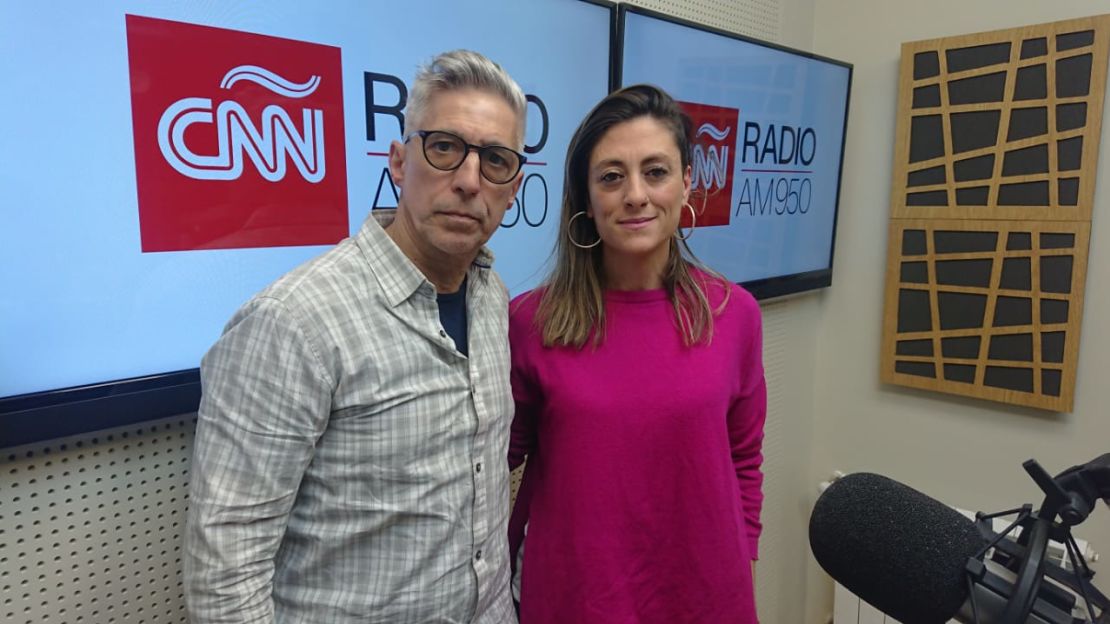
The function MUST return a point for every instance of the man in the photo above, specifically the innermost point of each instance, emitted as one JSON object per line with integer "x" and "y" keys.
{"x": 350, "y": 449}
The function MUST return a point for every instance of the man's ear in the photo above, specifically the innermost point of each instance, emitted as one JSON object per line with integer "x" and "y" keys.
{"x": 516, "y": 187}
{"x": 397, "y": 162}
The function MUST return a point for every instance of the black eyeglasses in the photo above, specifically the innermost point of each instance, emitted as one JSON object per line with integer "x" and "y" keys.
{"x": 446, "y": 151}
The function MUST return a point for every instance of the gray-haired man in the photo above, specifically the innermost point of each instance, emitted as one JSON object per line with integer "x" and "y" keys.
{"x": 351, "y": 442}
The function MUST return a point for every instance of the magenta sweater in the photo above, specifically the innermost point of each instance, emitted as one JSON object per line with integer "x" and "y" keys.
{"x": 643, "y": 486}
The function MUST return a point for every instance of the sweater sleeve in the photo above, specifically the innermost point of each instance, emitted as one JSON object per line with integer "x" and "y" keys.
{"x": 526, "y": 395}
{"x": 527, "y": 400}
{"x": 746, "y": 418}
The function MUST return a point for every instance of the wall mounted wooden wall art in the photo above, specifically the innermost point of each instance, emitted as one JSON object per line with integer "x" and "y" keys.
{"x": 994, "y": 177}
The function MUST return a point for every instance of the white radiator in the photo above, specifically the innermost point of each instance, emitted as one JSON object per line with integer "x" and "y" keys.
{"x": 849, "y": 609}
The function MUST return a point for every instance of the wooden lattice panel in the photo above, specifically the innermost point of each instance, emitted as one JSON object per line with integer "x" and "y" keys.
{"x": 989, "y": 309}
{"x": 1001, "y": 125}
{"x": 994, "y": 176}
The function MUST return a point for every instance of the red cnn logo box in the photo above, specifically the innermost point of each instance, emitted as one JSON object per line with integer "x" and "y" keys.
{"x": 239, "y": 138}
{"x": 714, "y": 152}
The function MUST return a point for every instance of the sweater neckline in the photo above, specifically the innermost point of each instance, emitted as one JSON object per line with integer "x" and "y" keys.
{"x": 635, "y": 296}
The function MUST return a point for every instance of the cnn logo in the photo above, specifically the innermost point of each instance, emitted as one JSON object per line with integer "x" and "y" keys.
{"x": 712, "y": 159}
{"x": 230, "y": 153}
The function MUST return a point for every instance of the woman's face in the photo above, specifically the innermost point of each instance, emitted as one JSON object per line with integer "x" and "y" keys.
{"x": 637, "y": 187}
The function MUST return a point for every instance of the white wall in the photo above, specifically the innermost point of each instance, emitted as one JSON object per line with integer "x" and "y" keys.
{"x": 965, "y": 452}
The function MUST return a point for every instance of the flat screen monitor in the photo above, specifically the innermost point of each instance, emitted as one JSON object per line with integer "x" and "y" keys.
{"x": 769, "y": 126}
{"x": 164, "y": 161}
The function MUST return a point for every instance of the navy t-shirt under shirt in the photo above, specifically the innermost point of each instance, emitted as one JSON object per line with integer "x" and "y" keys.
{"x": 452, "y": 315}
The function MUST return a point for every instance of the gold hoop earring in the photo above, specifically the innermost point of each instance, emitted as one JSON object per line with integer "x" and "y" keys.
{"x": 693, "y": 222}
{"x": 571, "y": 236}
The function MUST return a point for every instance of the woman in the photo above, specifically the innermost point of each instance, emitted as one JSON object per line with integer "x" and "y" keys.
{"x": 640, "y": 397}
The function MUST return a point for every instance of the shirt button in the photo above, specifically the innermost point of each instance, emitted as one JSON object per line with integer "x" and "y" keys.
{"x": 478, "y": 467}
{"x": 478, "y": 556}
{"x": 442, "y": 334}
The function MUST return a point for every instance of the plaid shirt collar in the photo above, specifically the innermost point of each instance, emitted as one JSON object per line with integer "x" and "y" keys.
{"x": 396, "y": 273}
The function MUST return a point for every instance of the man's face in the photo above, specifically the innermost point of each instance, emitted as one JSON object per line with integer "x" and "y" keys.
{"x": 446, "y": 216}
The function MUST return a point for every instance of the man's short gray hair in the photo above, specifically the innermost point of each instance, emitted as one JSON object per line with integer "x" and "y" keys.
{"x": 462, "y": 69}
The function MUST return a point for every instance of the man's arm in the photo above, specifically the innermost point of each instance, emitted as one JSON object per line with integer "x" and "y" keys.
{"x": 266, "y": 401}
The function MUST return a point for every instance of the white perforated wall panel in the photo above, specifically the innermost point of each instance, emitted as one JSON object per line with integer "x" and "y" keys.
{"x": 755, "y": 18}
{"x": 788, "y": 338}
{"x": 90, "y": 527}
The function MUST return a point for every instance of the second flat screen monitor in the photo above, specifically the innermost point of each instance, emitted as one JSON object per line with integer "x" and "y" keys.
{"x": 769, "y": 128}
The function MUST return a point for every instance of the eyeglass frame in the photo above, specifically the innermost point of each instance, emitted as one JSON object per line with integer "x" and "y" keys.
{"x": 480, "y": 149}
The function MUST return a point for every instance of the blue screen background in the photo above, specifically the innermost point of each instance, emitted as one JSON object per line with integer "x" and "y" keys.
{"x": 81, "y": 304}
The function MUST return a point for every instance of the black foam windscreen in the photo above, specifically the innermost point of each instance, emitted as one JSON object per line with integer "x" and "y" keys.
{"x": 898, "y": 549}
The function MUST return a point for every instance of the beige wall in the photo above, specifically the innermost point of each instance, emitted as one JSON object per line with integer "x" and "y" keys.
{"x": 965, "y": 452}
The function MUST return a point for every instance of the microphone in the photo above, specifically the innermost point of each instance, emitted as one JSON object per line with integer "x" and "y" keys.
{"x": 922, "y": 562}
{"x": 896, "y": 548}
